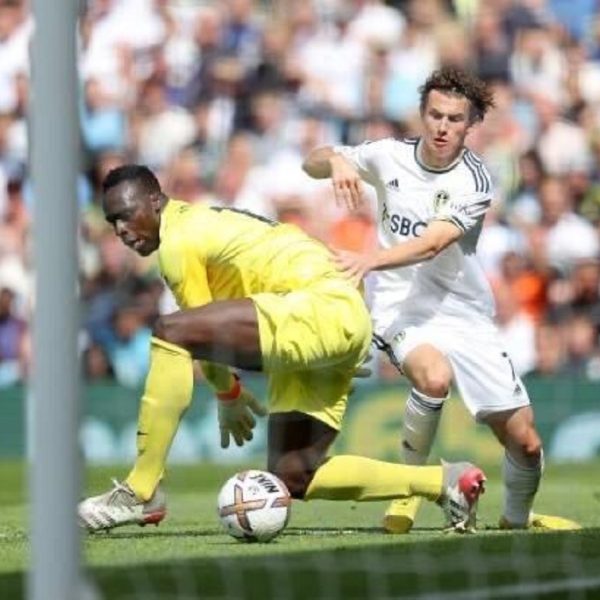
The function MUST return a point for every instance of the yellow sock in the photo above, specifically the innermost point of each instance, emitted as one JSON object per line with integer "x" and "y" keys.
{"x": 363, "y": 479}
{"x": 401, "y": 514}
{"x": 167, "y": 395}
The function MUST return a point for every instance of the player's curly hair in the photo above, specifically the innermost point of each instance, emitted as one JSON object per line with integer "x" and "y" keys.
{"x": 456, "y": 81}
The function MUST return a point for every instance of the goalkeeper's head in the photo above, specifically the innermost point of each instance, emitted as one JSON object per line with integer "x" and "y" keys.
{"x": 132, "y": 203}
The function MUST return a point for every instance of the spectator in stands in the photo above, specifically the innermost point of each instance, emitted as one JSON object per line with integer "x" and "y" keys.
{"x": 129, "y": 348}
{"x": 16, "y": 26}
{"x": 524, "y": 204}
{"x": 526, "y": 284}
{"x": 581, "y": 340}
{"x": 578, "y": 294}
{"x": 491, "y": 44}
{"x": 585, "y": 281}
{"x": 207, "y": 36}
{"x": 224, "y": 98}
{"x": 96, "y": 365}
{"x": 562, "y": 145}
{"x": 550, "y": 350}
{"x": 164, "y": 129}
{"x": 103, "y": 123}
{"x": 183, "y": 175}
{"x": 14, "y": 341}
{"x": 559, "y": 226}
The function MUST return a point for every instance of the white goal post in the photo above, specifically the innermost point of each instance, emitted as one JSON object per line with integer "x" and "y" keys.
{"x": 54, "y": 464}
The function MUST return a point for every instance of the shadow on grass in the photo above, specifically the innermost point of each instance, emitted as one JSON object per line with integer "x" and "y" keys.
{"x": 442, "y": 566}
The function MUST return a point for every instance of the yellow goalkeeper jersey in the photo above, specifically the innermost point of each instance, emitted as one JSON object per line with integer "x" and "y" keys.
{"x": 212, "y": 253}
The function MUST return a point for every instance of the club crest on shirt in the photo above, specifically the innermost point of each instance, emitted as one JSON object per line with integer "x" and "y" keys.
{"x": 440, "y": 199}
{"x": 400, "y": 336}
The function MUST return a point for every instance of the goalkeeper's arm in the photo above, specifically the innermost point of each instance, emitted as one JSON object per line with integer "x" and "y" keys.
{"x": 219, "y": 377}
{"x": 236, "y": 404}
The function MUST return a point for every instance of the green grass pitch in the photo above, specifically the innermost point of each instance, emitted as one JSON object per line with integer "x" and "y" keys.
{"x": 329, "y": 550}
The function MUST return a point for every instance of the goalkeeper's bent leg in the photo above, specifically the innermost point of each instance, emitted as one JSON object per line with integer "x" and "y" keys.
{"x": 364, "y": 479}
{"x": 298, "y": 446}
{"x": 167, "y": 395}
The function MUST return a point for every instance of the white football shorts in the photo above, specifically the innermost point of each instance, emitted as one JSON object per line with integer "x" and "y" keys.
{"x": 483, "y": 371}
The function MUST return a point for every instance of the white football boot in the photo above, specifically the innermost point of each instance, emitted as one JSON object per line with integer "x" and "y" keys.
{"x": 120, "y": 506}
{"x": 462, "y": 486}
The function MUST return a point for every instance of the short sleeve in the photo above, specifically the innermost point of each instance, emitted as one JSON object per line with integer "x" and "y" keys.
{"x": 363, "y": 157}
{"x": 465, "y": 211}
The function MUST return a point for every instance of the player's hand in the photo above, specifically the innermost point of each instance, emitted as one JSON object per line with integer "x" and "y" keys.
{"x": 236, "y": 418}
{"x": 353, "y": 265}
{"x": 346, "y": 183}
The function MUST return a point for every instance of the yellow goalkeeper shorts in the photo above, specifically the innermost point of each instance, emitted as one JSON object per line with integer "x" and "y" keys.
{"x": 312, "y": 340}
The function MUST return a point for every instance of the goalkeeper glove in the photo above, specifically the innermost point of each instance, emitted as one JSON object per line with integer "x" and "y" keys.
{"x": 235, "y": 414}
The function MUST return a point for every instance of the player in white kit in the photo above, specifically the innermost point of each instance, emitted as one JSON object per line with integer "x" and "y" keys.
{"x": 432, "y": 306}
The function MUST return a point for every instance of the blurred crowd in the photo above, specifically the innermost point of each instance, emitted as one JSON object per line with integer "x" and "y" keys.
{"x": 223, "y": 99}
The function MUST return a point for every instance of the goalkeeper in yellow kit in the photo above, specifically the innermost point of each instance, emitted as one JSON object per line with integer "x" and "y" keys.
{"x": 257, "y": 295}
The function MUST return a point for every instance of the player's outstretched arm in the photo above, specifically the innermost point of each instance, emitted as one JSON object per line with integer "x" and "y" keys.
{"x": 437, "y": 236}
{"x": 324, "y": 162}
{"x": 354, "y": 265}
{"x": 218, "y": 376}
{"x": 317, "y": 163}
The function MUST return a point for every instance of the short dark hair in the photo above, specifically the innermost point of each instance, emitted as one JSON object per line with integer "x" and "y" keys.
{"x": 139, "y": 173}
{"x": 456, "y": 81}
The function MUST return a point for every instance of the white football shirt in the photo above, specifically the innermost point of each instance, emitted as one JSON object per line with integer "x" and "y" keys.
{"x": 410, "y": 195}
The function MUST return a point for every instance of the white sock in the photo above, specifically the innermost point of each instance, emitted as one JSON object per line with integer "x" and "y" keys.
{"x": 521, "y": 482}
{"x": 421, "y": 417}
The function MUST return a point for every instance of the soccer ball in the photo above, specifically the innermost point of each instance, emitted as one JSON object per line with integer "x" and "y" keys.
{"x": 254, "y": 506}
